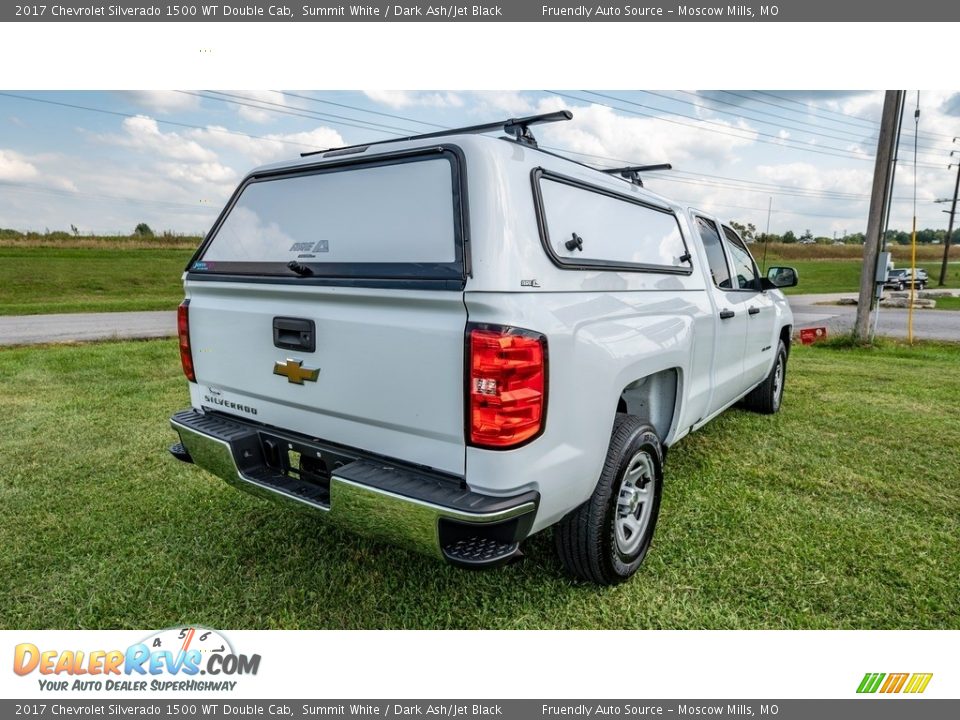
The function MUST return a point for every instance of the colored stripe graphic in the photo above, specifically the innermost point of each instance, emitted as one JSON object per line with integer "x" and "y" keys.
{"x": 918, "y": 682}
{"x": 870, "y": 682}
{"x": 894, "y": 682}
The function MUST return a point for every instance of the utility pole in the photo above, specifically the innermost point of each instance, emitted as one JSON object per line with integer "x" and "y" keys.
{"x": 879, "y": 196}
{"x": 946, "y": 240}
{"x": 766, "y": 235}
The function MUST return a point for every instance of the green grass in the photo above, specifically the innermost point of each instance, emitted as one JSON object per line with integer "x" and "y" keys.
{"x": 833, "y": 276}
{"x": 61, "y": 280}
{"x": 841, "y": 512}
{"x": 114, "y": 274}
{"x": 951, "y": 303}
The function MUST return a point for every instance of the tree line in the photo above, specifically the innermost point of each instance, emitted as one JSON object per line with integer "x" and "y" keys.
{"x": 927, "y": 236}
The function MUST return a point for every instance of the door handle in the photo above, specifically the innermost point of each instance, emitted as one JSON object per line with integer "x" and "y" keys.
{"x": 754, "y": 311}
{"x": 726, "y": 314}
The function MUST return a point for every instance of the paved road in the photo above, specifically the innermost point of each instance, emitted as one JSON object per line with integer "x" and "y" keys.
{"x": 810, "y": 311}
{"x": 34, "y": 329}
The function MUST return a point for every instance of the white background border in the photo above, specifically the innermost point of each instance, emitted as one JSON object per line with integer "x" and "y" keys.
{"x": 480, "y": 664}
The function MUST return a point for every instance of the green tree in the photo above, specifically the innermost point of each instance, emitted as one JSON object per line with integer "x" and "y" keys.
{"x": 789, "y": 237}
{"x": 748, "y": 232}
{"x": 143, "y": 230}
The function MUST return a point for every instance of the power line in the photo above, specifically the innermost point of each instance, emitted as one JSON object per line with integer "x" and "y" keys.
{"x": 814, "y": 192}
{"x": 810, "y": 109}
{"x": 25, "y": 187}
{"x": 117, "y": 113}
{"x": 801, "y": 126}
{"x": 775, "y": 139}
{"x": 279, "y": 109}
{"x": 751, "y": 137}
{"x": 360, "y": 109}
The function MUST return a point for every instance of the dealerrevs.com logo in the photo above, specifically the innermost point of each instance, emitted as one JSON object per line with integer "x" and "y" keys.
{"x": 178, "y": 659}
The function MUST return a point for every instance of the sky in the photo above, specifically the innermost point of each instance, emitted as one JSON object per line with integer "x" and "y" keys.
{"x": 104, "y": 161}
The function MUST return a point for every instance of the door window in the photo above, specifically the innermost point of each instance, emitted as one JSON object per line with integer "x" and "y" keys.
{"x": 745, "y": 276}
{"x": 716, "y": 258}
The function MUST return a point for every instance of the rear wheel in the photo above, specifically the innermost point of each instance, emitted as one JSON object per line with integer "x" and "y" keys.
{"x": 768, "y": 395}
{"x": 607, "y": 538}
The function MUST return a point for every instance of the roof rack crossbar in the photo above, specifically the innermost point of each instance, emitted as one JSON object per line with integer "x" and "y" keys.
{"x": 518, "y": 127}
{"x": 632, "y": 172}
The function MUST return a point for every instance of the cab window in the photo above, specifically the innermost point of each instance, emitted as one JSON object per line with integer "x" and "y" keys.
{"x": 716, "y": 258}
{"x": 745, "y": 275}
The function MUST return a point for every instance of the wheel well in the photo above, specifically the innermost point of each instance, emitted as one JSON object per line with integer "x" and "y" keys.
{"x": 653, "y": 399}
{"x": 786, "y": 335}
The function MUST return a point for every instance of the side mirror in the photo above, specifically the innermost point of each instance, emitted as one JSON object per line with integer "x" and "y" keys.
{"x": 780, "y": 277}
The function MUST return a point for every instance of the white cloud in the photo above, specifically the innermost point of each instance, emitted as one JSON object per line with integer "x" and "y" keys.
{"x": 404, "y": 98}
{"x": 600, "y": 131}
{"x": 14, "y": 167}
{"x": 164, "y": 101}
{"x": 270, "y": 98}
{"x": 196, "y": 173}
{"x": 507, "y": 101}
{"x": 814, "y": 177}
{"x": 272, "y": 147}
{"x": 24, "y": 170}
{"x": 143, "y": 134}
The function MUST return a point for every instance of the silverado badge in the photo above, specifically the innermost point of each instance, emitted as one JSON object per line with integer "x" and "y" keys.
{"x": 294, "y": 371}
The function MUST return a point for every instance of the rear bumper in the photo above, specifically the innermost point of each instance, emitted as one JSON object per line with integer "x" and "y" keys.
{"x": 405, "y": 505}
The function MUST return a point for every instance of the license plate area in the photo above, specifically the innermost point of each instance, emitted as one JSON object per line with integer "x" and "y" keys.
{"x": 307, "y": 467}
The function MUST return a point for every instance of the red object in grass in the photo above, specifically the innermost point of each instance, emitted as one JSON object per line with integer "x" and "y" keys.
{"x": 808, "y": 336}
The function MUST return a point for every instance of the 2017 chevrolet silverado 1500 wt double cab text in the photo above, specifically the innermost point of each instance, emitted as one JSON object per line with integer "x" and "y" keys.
{"x": 454, "y": 341}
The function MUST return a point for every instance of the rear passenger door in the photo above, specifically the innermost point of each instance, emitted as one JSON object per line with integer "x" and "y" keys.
{"x": 761, "y": 314}
{"x": 731, "y": 320}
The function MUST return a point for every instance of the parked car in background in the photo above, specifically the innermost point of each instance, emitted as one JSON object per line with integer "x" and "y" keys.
{"x": 900, "y": 278}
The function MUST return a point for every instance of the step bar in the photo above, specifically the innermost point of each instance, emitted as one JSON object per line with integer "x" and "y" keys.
{"x": 412, "y": 507}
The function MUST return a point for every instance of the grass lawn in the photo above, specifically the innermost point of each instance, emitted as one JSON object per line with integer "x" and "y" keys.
{"x": 952, "y": 303}
{"x": 841, "y": 512}
{"x": 829, "y": 276}
{"x": 61, "y": 280}
{"x": 113, "y": 274}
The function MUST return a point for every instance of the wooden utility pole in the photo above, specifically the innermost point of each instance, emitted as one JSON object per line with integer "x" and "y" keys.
{"x": 879, "y": 197}
{"x": 946, "y": 240}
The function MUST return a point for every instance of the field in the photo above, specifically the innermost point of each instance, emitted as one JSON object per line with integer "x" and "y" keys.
{"x": 89, "y": 279}
{"x": 830, "y": 269}
{"x": 841, "y": 512}
{"x": 948, "y": 303}
{"x": 114, "y": 274}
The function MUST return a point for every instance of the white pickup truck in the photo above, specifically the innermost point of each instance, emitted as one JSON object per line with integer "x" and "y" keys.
{"x": 455, "y": 340}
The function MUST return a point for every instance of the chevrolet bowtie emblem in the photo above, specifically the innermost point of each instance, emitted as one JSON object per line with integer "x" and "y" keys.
{"x": 295, "y": 372}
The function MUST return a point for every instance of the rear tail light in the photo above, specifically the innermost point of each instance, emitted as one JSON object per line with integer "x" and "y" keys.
{"x": 506, "y": 386}
{"x": 183, "y": 331}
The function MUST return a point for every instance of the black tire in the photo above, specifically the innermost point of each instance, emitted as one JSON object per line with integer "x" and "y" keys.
{"x": 767, "y": 397}
{"x": 587, "y": 539}
{"x": 900, "y": 286}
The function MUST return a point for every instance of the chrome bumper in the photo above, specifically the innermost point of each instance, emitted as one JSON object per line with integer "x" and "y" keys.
{"x": 370, "y": 497}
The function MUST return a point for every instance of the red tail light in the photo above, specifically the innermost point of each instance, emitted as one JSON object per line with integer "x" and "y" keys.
{"x": 183, "y": 331}
{"x": 507, "y": 386}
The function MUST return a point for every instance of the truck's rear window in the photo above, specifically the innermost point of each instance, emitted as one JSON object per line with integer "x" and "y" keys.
{"x": 388, "y": 219}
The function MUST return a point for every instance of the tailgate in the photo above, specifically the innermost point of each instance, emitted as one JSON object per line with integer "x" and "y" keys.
{"x": 367, "y": 254}
{"x": 390, "y": 365}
